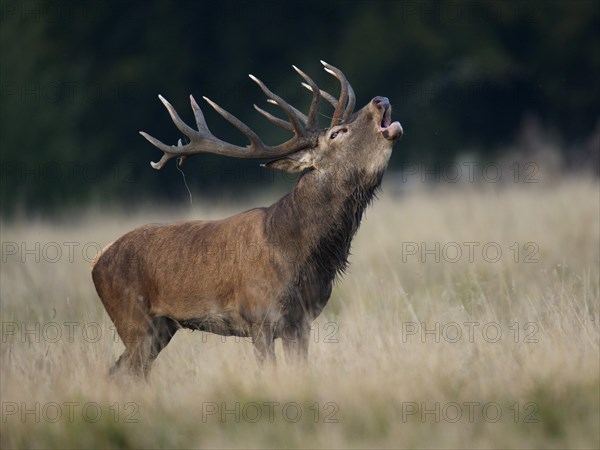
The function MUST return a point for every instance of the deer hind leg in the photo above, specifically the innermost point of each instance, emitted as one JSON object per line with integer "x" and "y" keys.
{"x": 136, "y": 333}
{"x": 163, "y": 330}
{"x": 143, "y": 341}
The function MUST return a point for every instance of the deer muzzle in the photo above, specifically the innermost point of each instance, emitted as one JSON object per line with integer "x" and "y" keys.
{"x": 390, "y": 130}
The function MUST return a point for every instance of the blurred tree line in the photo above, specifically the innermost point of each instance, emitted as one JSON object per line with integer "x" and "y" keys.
{"x": 80, "y": 79}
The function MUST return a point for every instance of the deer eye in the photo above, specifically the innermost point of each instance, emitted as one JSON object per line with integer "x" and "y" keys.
{"x": 336, "y": 133}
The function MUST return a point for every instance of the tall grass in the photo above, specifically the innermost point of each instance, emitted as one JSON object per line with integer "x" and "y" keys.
{"x": 418, "y": 347}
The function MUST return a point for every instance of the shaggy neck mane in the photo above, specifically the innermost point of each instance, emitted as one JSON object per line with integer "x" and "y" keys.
{"x": 322, "y": 217}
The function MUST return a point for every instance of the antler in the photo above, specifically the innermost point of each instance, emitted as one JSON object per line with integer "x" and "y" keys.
{"x": 344, "y": 106}
{"x": 305, "y": 128}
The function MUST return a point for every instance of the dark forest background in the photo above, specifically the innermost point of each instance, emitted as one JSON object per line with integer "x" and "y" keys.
{"x": 78, "y": 80}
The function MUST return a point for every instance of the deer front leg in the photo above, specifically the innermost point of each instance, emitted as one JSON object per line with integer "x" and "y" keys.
{"x": 295, "y": 344}
{"x": 264, "y": 344}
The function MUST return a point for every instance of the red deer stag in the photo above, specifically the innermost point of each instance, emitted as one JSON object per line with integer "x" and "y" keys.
{"x": 159, "y": 278}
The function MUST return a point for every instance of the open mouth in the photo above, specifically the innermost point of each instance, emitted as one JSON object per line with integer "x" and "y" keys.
{"x": 386, "y": 120}
{"x": 390, "y": 130}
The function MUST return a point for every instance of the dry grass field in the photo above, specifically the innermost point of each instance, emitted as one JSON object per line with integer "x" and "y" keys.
{"x": 469, "y": 318}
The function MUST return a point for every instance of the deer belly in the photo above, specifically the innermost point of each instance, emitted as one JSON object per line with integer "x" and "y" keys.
{"x": 223, "y": 324}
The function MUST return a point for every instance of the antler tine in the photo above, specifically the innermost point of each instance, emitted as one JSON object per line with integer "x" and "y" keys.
{"x": 350, "y": 106}
{"x": 199, "y": 116}
{"x": 298, "y": 113}
{"x": 245, "y": 129}
{"x": 168, "y": 151}
{"x": 183, "y": 127}
{"x": 340, "y": 110}
{"x": 326, "y": 95}
{"x": 280, "y": 122}
{"x": 313, "y": 112}
{"x": 293, "y": 114}
{"x": 276, "y": 120}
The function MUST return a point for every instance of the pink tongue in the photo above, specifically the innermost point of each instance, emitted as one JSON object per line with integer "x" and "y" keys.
{"x": 394, "y": 131}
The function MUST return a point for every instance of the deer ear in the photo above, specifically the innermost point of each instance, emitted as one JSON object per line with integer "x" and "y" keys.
{"x": 294, "y": 163}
